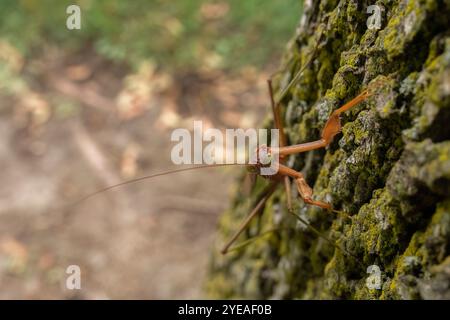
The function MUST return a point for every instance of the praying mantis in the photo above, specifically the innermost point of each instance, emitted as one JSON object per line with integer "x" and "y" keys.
{"x": 285, "y": 173}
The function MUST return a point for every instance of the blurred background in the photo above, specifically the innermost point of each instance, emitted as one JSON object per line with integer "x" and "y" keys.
{"x": 84, "y": 109}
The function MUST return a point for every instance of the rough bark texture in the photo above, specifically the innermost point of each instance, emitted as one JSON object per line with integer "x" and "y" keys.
{"x": 389, "y": 169}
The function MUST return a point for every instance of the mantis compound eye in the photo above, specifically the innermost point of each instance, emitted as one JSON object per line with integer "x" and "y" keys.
{"x": 264, "y": 155}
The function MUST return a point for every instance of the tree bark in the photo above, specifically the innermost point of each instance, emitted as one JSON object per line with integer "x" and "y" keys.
{"x": 389, "y": 169}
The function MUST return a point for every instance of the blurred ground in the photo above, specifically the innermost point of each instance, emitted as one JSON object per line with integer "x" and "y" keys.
{"x": 68, "y": 136}
{"x": 78, "y": 115}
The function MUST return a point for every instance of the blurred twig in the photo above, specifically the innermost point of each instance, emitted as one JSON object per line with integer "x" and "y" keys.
{"x": 93, "y": 155}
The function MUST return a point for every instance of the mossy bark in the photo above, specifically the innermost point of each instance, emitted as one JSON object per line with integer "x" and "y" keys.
{"x": 389, "y": 169}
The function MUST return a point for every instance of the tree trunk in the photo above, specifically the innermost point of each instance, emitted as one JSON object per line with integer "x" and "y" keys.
{"x": 389, "y": 169}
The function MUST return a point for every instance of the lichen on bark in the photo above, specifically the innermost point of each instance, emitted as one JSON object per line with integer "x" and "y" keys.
{"x": 389, "y": 169}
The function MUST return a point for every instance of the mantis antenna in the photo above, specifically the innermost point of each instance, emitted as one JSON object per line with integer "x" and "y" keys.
{"x": 159, "y": 174}
{"x": 300, "y": 72}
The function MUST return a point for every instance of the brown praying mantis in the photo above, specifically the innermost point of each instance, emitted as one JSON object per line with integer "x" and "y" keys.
{"x": 284, "y": 174}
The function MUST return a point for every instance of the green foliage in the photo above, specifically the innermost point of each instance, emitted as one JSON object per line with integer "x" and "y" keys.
{"x": 176, "y": 34}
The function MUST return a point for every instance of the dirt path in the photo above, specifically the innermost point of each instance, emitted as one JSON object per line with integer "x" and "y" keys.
{"x": 148, "y": 240}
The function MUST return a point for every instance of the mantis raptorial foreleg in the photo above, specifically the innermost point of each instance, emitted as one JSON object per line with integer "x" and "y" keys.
{"x": 330, "y": 130}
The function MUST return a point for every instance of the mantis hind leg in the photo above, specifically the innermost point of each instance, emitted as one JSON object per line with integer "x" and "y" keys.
{"x": 256, "y": 210}
{"x": 290, "y": 209}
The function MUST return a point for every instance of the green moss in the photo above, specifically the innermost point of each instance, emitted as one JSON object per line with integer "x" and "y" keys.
{"x": 389, "y": 170}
